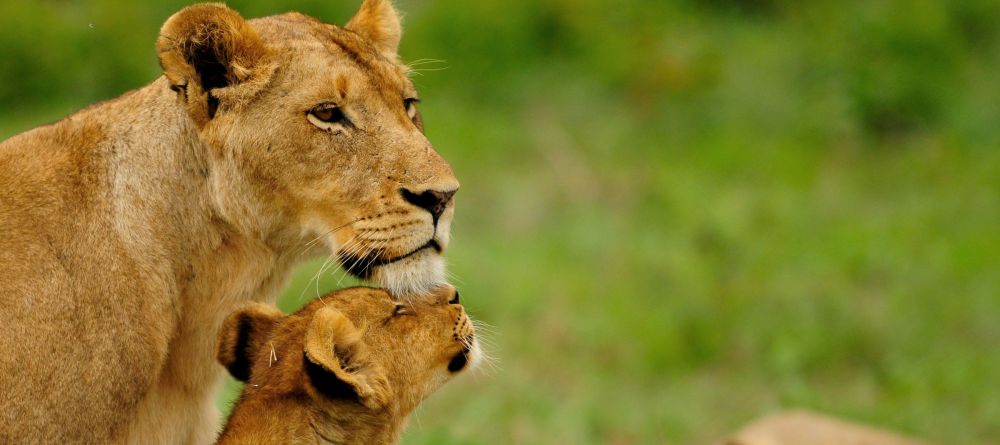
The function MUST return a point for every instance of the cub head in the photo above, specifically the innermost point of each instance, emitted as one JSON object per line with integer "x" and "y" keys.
{"x": 314, "y": 137}
{"x": 356, "y": 351}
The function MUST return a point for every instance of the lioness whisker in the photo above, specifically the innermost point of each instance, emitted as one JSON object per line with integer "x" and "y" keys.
{"x": 315, "y": 278}
{"x": 345, "y": 253}
{"x": 482, "y": 324}
{"x": 422, "y": 70}
{"x": 353, "y": 241}
{"x": 376, "y": 252}
{"x": 347, "y": 269}
{"x": 312, "y": 242}
{"x": 425, "y": 61}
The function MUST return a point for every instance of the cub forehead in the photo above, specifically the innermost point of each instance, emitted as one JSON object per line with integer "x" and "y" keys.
{"x": 359, "y": 297}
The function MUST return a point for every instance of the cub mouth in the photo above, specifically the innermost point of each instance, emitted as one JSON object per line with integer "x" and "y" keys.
{"x": 460, "y": 360}
{"x": 363, "y": 266}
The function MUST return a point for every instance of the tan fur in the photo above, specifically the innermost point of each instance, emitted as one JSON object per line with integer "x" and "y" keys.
{"x": 379, "y": 23}
{"x": 130, "y": 229}
{"x": 346, "y": 369}
{"x": 806, "y": 428}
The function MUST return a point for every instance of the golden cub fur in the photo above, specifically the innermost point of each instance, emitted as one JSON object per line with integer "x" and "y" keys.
{"x": 129, "y": 230}
{"x": 348, "y": 368}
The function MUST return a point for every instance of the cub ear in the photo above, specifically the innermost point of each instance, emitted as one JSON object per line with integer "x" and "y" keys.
{"x": 338, "y": 362}
{"x": 378, "y": 22}
{"x": 206, "y": 47}
{"x": 243, "y": 335}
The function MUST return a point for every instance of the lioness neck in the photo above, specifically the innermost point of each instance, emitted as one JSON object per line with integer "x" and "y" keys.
{"x": 208, "y": 266}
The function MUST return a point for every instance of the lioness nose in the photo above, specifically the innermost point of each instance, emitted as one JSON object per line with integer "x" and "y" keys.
{"x": 433, "y": 201}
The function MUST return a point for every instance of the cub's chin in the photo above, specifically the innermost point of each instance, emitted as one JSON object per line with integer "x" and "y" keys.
{"x": 415, "y": 274}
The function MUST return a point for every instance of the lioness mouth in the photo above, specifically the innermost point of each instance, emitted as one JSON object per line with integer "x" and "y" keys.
{"x": 362, "y": 267}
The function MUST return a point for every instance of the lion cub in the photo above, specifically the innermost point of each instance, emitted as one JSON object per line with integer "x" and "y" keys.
{"x": 348, "y": 368}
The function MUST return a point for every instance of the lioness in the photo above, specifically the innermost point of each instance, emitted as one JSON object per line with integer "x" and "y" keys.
{"x": 348, "y": 368}
{"x": 129, "y": 230}
{"x": 798, "y": 427}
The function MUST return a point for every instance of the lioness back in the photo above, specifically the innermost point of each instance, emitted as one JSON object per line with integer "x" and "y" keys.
{"x": 132, "y": 228}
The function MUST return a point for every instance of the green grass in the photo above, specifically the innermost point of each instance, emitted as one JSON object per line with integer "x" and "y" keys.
{"x": 677, "y": 216}
{"x": 670, "y": 304}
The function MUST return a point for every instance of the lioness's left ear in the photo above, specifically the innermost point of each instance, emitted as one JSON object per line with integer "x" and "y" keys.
{"x": 338, "y": 362}
{"x": 378, "y": 22}
{"x": 207, "y": 50}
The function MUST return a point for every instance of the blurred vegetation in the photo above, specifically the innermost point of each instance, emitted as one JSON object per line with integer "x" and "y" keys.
{"x": 677, "y": 215}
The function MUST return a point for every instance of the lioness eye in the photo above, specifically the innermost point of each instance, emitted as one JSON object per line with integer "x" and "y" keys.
{"x": 329, "y": 118}
{"x": 328, "y": 114}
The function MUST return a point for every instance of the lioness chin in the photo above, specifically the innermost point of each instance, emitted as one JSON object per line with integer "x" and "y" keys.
{"x": 348, "y": 368}
{"x": 130, "y": 229}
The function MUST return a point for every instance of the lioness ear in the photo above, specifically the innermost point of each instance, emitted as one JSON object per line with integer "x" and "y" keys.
{"x": 208, "y": 47}
{"x": 378, "y": 22}
{"x": 243, "y": 335}
{"x": 338, "y": 362}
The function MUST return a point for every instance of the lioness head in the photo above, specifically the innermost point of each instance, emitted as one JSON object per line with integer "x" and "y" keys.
{"x": 314, "y": 137}
{"x": 352, "y": 354}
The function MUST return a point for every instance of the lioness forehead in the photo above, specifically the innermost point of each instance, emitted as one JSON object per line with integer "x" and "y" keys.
{"x": 326, "y": 51}
{"x": 301, "y": 33}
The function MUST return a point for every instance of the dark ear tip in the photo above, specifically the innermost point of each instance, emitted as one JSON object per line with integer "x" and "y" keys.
{"x": 190, "y": 22}
{"x": 208, "y": 30}
{"x": 242, "y": 335}
{"x": 232, "y": 350}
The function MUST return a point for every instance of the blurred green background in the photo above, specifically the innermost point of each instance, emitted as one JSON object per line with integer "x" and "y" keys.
{"x": 676, "y": 215}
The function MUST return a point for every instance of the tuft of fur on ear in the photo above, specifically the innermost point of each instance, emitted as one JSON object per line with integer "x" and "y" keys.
{"x": 208, "y": 47}
{"x": 379, "y": 23}
{"x": 243, "y": 336}
{"x": 334, "y": 347}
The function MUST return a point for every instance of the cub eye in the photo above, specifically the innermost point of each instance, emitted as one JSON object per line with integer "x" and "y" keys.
{"x": 411, "y": 107}
{"x": 328, "y": 117}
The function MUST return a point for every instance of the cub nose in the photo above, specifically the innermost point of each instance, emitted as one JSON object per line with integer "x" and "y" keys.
{"x": 433, "y": 201}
